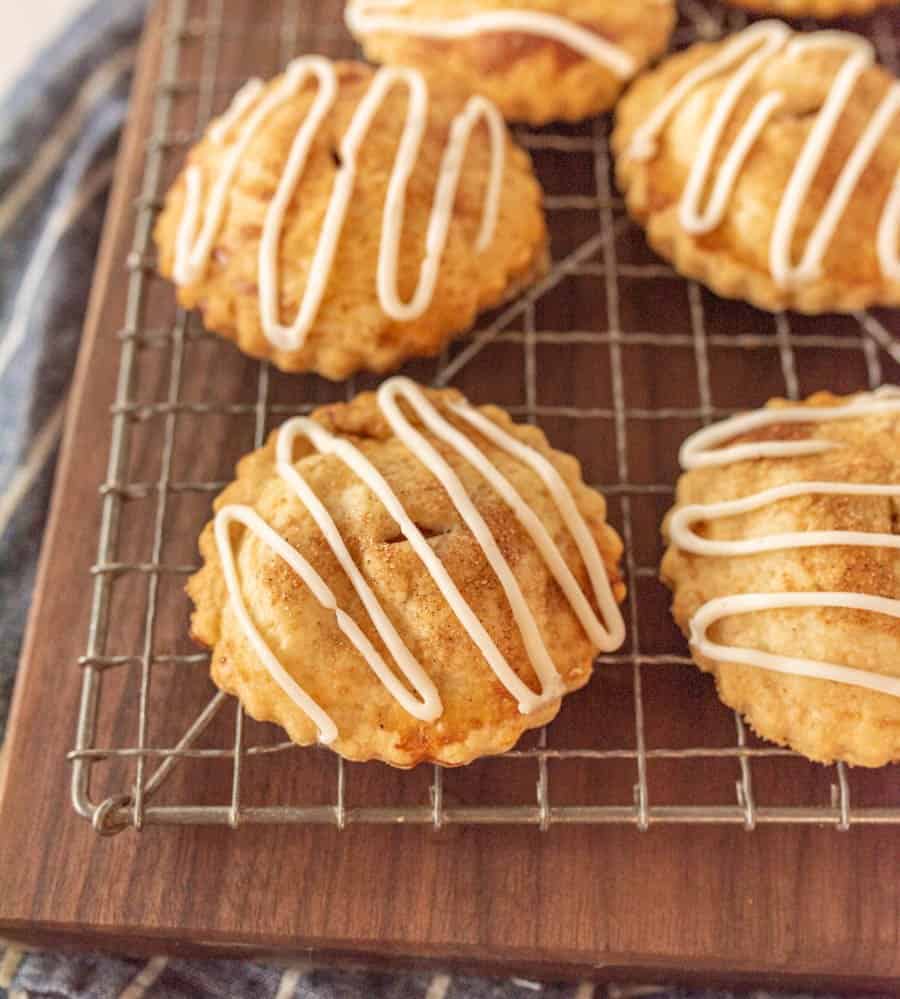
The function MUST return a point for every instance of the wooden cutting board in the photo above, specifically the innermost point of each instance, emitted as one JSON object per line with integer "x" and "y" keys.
{"x": 798, "y": 905}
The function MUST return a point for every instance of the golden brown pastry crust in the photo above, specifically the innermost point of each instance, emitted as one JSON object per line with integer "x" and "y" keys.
{"x": 351, "y": 332}
{"x": 533, "y": 79}
{"x": 732, "y": 259}
{"x": 480, "y": 716}
{"x": 813, "y": 8}
{"x": 825, "y": 721}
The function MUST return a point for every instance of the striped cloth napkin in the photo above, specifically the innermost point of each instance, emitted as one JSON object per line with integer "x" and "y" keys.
{"x": 59, "y": 126}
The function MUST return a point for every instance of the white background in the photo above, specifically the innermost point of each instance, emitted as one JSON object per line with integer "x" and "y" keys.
{"x": 26, "y": 26}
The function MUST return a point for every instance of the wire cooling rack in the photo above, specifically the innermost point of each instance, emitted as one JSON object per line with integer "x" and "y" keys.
{"x": 611, "y": 352}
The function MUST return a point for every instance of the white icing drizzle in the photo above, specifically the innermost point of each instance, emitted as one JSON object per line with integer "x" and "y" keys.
{"x": 700, "y": 451}
{"x": 696, "y": 453}
{"x": 748, "y": 603}
{"x": 605, "y": 640}
{"x": 427, "y": 706}
{"x": 684, "y": 518}
{"x": 247, "y": 95}
{"x": 889, "y": 234}
{"x": 749, "y": 51}
{"x": 192, "y": 249}
{"x": 365, "y": 17}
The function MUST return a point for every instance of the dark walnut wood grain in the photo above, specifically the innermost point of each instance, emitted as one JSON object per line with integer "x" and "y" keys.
{"x": 799, "y": 905}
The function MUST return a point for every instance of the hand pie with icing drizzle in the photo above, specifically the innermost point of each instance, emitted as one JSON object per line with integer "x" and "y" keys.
{"x": 766, "y": 166}
{"x": 539, "y": 60}
{"x": 341, "y": 218}
{"x": 813, "y": 8}
{"x": 784, "y": 562}
{"x": 407, "y": 578}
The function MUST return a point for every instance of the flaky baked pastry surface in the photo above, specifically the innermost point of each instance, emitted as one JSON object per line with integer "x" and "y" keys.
{"x": 349, "y": 328}
{"x": 823, "y": 719}
{"x": 479, "y": 714}
{"x": 792, "y": 203}
{"x": 532, "y": 75}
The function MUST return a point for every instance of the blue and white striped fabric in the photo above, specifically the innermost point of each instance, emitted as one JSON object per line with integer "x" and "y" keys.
{"x": 58, "y": 132}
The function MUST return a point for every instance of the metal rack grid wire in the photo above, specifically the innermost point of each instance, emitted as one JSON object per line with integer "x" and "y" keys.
{"x": 613, "y": 281}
